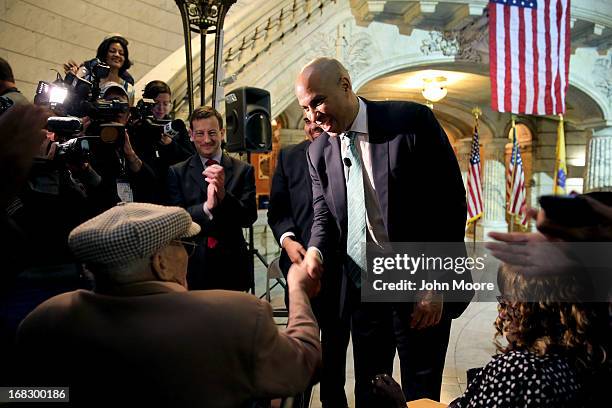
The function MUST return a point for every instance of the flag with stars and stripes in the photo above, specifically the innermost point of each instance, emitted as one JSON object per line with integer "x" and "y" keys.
{"x": 475, "y": 204}
{"x": 529, "y": 49}
{"x": 515, "y": 186}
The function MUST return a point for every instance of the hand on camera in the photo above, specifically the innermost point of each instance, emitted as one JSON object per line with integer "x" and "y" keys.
{"x": 165, "y": 139}
{"x": 71, "y": 66}
{"x": 47, "y": 149}
{"x": 130, "y": 155}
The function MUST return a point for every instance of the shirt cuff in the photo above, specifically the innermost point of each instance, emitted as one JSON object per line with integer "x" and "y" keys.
{"x": 285, "y": 235}
{"x": 319, "y": 253}
{"x": 207, "y": 211}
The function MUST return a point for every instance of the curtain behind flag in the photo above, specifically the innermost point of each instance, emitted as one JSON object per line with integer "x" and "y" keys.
{"x": 529, "y": 46}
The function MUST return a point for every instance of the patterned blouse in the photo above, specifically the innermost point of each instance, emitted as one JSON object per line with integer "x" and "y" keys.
{"x": 523, "y": 379}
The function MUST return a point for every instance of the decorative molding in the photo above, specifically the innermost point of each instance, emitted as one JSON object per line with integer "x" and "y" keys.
{"x": 471, "y": 43}
{"x": 602, "y": 76}
{"x": 356, "y": 51}
{"x": 445, "y": 42}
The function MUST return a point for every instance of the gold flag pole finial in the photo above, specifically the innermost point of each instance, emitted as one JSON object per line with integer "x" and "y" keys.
{"x": 477, "y": 112}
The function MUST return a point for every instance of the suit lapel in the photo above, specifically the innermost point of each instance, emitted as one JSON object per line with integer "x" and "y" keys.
{"x": 195, "y": 172}
{"x": 379, "y": 149}
{"x": 228, "y": 167}
{"x": 337, "y": 184}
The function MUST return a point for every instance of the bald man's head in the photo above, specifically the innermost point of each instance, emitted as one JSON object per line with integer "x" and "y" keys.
{"x": 326, "y": 69}
{"x": 324, "y": 90}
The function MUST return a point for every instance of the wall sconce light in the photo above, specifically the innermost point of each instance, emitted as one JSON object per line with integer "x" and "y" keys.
{"x": 434, "y": 89}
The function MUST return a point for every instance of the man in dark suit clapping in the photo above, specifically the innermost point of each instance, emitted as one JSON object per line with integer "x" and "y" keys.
{"x": 218, "y": 191}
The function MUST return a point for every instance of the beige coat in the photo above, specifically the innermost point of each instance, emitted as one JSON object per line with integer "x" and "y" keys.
{"x": 155, "y": 342}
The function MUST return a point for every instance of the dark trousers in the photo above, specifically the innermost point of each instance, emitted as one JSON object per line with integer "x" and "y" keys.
{"x": 334, "y": 343}
{"x": 378, "y": 329}
{"x": 422, "y": 354}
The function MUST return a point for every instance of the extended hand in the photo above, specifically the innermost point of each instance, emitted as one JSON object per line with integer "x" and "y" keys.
{"x": 298, "y": 277}
{"x": 313, "y": 264}
{"x": 531, "y": 253}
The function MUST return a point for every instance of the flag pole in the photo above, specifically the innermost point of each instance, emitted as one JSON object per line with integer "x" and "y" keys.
{"x": 476, "y": 112}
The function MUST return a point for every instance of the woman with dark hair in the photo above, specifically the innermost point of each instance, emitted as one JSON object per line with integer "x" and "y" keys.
{"x": 114, "y": 52}
{"x": 555, "y": 352}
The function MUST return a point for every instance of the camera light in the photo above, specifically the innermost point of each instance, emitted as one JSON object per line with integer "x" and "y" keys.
{"x": 57, "y": 94}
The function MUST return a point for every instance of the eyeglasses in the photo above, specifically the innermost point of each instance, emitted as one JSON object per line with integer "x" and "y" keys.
{"x": 189, "y": 246}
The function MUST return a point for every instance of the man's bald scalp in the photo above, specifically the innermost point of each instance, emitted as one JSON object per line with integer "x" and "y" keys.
{"x": 327, "y": 68}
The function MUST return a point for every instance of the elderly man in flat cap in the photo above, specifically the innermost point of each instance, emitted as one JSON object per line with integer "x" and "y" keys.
{"x": 141, "y": 338}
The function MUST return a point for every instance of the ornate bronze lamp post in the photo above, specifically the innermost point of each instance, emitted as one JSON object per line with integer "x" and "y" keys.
{"x": 203, "y": 17}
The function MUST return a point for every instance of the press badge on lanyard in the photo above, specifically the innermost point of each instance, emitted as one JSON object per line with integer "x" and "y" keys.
{"x": 124, "y": 191}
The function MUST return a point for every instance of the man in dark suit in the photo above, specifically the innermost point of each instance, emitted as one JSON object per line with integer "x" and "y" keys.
{"x": 218, "y": 191}
{"x": 290, "y": 218}
{"x": 382, "y": 172}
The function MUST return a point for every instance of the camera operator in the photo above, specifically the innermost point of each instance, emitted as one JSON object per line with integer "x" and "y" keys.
{"x": 161, "y": 147}
{"x": 114, "y": 52}
{"x": 37, "y": 218}
{"x": 125, "y": 177}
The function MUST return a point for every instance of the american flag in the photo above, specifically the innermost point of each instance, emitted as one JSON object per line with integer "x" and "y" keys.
{"x": 474, "y": 186}
{"x": 515, "y": 185}
{"x": 529, "y": 46}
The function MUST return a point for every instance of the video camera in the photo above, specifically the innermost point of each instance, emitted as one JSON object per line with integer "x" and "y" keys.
{"x": 143, "y": 124}
{"x": 146, "y": 128}
{"x": 72, "y": 98}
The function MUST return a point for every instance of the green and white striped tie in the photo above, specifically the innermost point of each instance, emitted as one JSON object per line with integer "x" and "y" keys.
{"x": 356, "y": 210}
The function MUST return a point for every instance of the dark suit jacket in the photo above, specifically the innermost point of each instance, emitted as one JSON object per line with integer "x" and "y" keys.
{"x": 290, "y": 208}
{"x": 416, "y": 175}
{"x": 228, "y": 265}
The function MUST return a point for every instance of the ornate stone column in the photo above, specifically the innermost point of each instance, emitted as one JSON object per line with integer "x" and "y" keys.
{"x": 599, "y": 161}
{"x": 494, "y": 186}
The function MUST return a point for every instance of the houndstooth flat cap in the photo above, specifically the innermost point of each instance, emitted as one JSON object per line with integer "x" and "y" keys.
{"x": 129, "y": 231}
